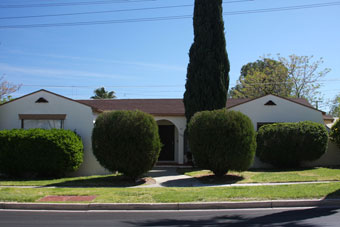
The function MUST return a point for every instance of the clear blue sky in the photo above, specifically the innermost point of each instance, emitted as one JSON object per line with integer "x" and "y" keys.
{"x": 149, "y": 59}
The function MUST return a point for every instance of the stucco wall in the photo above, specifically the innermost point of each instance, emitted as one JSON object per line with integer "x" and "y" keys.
{"x": 283, "y": 111}
{"x": 78, "y": 117}
{"x": 330, "y": 158}
{"x": 81, "y": 118}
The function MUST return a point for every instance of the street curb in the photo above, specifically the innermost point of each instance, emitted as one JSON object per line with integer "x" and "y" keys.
{"x": 172, "y": 206}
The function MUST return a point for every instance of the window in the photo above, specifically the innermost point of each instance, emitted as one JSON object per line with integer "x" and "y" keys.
{"x": 45, "y": 121}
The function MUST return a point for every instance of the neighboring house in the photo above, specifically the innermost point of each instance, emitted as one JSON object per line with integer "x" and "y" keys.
{"x": 331, "y": 121}
{"x": 44, "y": 109}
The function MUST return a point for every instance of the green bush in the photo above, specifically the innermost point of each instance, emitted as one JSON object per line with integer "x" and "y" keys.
{"x": 286, "y": 145}
{"x": 222, "y": 140}
{"x": 126, "y": 141}
{"x": 335, "y": 133}
{"x": 39, "y": 152}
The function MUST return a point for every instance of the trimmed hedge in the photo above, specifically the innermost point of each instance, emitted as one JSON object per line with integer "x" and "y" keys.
{"x": 39, "y": 152}
{"x": 222, "y": 140}
{"x": 126, "y": 141}
{"x": 286, "y": 145}
{"x": 335, "y": 133}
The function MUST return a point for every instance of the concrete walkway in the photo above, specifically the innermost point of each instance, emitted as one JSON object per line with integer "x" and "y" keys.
{"x": 169, "y": 177}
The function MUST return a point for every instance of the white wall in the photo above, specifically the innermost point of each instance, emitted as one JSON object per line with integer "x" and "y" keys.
{"x": 330, "y": 158}
{"x": 78, "y": 117}
{"x": 81, "y": 118}
{"x": 284, "y": 111}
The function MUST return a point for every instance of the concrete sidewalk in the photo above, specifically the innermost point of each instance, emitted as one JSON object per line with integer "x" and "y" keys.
{"x": 173, "y": 206}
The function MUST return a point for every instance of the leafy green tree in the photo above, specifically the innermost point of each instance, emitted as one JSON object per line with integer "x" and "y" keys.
{"x": 40, "y": 152}
{"x": 208, "y": 70}
{"x": 265, "y": 76}
{"x": 126, "y": 141}
{"x": 335, "y": 133}
{"x": 222, "y": 140}
{"x": 304, "y": 74}
{"x": 294, "y": 76}
{"x": 335, "y": 107}
{"x": 101, "y": 93}
{"x": 287, "y": 145}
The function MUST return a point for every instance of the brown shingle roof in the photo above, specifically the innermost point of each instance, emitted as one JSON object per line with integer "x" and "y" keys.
{"x": 162, "y": 107}
{"x": 328, "y": 117}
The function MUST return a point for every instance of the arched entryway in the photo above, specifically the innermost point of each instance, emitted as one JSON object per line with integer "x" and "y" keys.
{"x": 168, "y": 134}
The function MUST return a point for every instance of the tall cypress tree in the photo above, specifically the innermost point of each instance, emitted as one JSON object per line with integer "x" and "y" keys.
{"x": 208, "y": 70}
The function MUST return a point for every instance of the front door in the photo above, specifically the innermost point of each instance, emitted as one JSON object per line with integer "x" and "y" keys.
{"x": 167, "y": 136}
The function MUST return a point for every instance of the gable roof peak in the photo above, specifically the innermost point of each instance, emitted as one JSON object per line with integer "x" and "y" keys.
{"x": 49, "y": 92}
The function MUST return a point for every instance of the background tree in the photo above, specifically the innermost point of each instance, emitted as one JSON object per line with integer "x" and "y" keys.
{"x": 304, "y": 74}
{"x": 265, "y": 76}
{"x": 7, "y": 88}
{"x": 335, "y": 107}
{"x": 101, "y": 93}
{"x": 208, "y": 70}
{"x": 295, "y": 76}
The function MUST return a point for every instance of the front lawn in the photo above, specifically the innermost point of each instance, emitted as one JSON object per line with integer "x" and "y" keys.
{"x": 111, "y": 180}
{"x": 266, "y": 176}
{"x": 172, "y": 195}
{"x": 205, "y": 176}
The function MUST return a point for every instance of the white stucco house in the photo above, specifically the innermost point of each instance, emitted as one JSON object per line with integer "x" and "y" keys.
{"x": 44, "y": 109}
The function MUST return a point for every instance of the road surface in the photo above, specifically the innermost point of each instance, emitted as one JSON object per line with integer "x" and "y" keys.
{"x": 303, "y": 217}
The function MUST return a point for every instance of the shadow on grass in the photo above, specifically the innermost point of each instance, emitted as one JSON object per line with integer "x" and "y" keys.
{"x": 259, "y": 175}
{"x": 202, "y": 181}
{"x": 107, "y": 181}
{"x": 95, "y": 181}
{"x": 226, "y": 179}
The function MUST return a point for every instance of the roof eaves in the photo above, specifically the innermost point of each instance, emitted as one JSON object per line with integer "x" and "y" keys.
{"x": 13, "y": 100}
{"x": 167, "y": 114}
{"x": 291, "y": 100}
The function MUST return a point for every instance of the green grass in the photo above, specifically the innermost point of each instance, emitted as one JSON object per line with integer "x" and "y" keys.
{"x": 266, "y": 176}
{"x": 112, "y": 180}
{"x": 170, "y": 195}
{"x": 205, "y": 176}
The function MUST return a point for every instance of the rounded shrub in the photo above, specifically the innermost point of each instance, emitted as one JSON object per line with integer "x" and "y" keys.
{"x": 222, "y": 140}
{"x": 286, "y": 145}
{"x": 126, "y": 141}
{"x": 335, "y": 133}
{"x": 39, "y": 152}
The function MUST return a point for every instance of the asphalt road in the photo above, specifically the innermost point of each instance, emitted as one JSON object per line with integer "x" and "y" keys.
{"x": 306, "y": 217}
